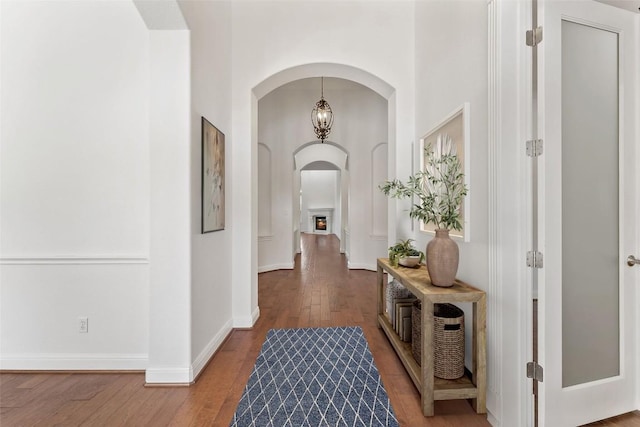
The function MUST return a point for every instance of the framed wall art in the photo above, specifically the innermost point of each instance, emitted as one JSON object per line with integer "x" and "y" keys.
{"x": 456, "y": 125}
{"x": 213, "y": 180}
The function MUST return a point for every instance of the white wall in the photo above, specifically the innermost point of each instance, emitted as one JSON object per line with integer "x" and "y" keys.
{"x": 209, "y": 23}
{"x": 265, "y": 191}
{"x": 170, "y": 290}
{"x": 379, "y": 202}
{"x": 451, "y": 62}
{"x": 337, "y": 202}
{"x": 451, "y": 39}
{"x": 75, "y": 185}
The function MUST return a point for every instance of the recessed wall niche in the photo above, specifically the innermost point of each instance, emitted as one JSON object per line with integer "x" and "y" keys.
{"x": 284, "y": 126}
{"x": 264, "y": 191}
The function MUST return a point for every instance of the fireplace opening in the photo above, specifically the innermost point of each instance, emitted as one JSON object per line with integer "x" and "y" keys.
{"x": 321, "y": 223}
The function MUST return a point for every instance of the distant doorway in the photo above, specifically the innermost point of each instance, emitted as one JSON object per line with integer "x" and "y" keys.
{"x": 320, "y": 196}
{"x": 322, "y": 184}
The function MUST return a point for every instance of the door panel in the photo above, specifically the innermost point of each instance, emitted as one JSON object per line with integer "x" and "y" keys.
{"x": 587, "y": 210}
{"x": 590, "y": 241}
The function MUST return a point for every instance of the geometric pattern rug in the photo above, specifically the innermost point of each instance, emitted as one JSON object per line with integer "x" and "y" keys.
{"x": 313, "y": 377}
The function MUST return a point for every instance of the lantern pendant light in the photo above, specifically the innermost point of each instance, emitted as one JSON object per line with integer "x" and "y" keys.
{"x": 322, "y": 116}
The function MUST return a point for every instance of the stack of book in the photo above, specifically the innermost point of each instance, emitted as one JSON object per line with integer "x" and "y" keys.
{"x": 398, "y": 309}
{"x": 402, "y": 321}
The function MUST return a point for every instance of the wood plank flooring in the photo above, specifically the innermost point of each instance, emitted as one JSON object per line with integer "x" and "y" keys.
{"x": 319, "y": 292}
{"x": 631, "y": 419}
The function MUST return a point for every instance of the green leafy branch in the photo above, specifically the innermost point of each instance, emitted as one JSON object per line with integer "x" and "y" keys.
{"x": 439, "y": 189}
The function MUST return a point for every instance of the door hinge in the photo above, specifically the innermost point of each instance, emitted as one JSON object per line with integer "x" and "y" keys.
{"x": 534, "y": 37}
{"x": 534, "y": 259}
{"x": 534, "y": 147}
{"x": 535, "y": 371}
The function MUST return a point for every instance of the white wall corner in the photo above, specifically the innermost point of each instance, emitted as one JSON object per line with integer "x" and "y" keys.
{"x": 493, "y": 407}
{"x": 209, "y": 350}
{"x": 169, "y": 375}
{"x": 161, "y": 14}
{"x": 170, "y": 267}
{"x": 247, "y": 322}
{"x": 492, "y": 420}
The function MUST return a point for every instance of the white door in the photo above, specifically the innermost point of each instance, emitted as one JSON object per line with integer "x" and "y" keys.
{"x": 588, "y": 211}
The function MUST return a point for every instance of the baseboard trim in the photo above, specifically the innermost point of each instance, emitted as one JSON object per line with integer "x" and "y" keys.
{"x": 247, "y": 322}
{"x": 210, "y": 350}
{"x": 122, "y": 363}
{"x": 492, "y": 420}
{"x": 356, "y": 266}
{"x": 493, "y": 406}
{"x": 255, "y": 316}
{"x": 71, "y": 371}
{"x": 73, "y": 362}
{"x": 284, "y": 266}
{"x": 166, "y": 385}
{"x": 173, "y": 377}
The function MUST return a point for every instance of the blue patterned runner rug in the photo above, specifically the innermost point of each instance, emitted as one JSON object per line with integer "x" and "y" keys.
{"x": 314, "y": 377}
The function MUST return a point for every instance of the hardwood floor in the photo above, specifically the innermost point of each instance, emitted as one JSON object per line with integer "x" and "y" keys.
{"x": 632, "y": 419}
{"x": 319, "y": 292}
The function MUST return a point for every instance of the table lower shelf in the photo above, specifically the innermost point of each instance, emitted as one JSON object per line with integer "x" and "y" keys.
{"x": 461, "y": 388}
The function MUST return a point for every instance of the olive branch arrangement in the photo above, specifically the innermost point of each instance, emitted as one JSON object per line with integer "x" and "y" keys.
{"x": 439, "y": 189}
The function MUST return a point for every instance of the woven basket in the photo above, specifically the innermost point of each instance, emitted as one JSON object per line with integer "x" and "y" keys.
{"x": 416, "y": 331}
{"x": 448, "y": 339}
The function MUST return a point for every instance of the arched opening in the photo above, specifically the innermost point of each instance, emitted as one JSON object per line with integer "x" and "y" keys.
{"x": 367, "y": 242}
{"x": 361, "y": 126}
{"x": 321, "y": 179}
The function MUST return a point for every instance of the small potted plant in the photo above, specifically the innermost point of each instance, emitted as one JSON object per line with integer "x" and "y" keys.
{"x": 405, "y": 254}
{"x": 439, "y": 191}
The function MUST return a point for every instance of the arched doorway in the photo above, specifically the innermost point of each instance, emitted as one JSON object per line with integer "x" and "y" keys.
{"x": 245, "y": 169}
{"x": 361, "y": 126}
{"x": 322, "y": 158}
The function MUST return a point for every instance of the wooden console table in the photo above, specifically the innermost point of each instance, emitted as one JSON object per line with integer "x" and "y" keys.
{"x": 417, "y": 281}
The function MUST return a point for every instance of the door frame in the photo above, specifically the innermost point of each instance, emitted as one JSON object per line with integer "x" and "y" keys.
{"x": 509, "y": 392}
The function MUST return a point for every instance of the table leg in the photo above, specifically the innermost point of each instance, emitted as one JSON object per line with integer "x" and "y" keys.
{"x": 480, "y": 354}
{"x": 426, "y": 364}
{"x": 380, "y": 294}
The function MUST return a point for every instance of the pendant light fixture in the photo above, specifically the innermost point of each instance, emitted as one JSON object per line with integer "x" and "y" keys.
{"x": 322, "y": 116}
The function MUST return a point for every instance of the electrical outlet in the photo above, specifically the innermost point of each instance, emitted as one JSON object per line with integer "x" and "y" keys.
{"x": 83, "y": 325}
